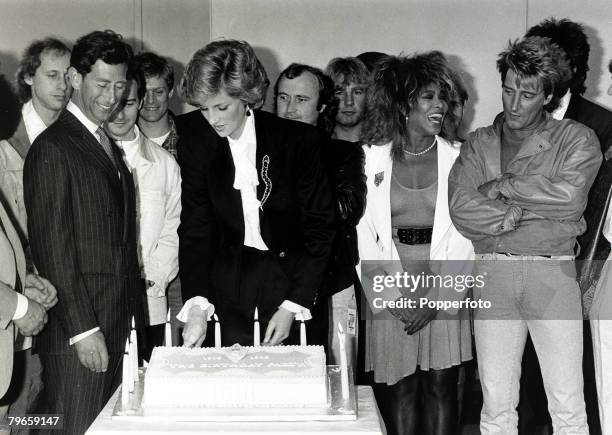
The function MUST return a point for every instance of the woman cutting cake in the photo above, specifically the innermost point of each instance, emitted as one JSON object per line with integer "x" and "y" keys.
{"x": 257, "y": 219}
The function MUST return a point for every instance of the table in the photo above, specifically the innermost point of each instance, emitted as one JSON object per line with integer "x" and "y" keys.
{"x": 368, "y": 422}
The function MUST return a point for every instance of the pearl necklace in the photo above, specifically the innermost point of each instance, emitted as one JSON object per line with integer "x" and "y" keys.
{"x": 420, "y": 153}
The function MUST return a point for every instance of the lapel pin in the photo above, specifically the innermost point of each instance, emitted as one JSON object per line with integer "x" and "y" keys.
{"x": 378, "y": 178}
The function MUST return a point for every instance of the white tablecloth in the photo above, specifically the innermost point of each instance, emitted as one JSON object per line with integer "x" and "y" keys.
{"x": 368, "y": 422}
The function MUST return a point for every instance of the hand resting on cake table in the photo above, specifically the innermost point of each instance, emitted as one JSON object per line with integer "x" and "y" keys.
{"x": 279, "y": 327}
{"x": 194, "y": 332}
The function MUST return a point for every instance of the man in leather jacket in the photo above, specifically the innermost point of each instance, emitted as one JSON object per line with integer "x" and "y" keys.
{"x": 518, "y": 190}
{"x": 303, "y": 93}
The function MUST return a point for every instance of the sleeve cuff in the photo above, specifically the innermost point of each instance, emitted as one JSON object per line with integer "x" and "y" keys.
{"x": 300, "y": 312}
{"x": 22, "y": 307}
{"x": 83, "y": 335}
{"x": 511, "y": 219}
{"x": 156, "y": 291}
{"x": 198, "y": 301}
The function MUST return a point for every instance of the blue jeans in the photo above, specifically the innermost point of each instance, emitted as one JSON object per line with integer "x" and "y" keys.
{"x": 540, "y": 296}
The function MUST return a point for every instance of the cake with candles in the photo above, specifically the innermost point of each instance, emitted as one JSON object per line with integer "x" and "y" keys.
{"x": 236, "y": 376}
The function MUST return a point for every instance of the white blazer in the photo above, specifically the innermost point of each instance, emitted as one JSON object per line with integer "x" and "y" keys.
{"x": 374, "y": 231}
{"x": 158, "y": 195}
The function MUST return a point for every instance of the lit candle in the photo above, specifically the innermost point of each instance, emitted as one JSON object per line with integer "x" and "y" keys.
{"x": 217, "y": 331}
{"x": 256, "y": 338}
{"x": 125, "y": 379}
{"x": 343, "y": 364}
{"x": 168, "y": 331}
{"x": 134, "y": 351}
{"x": 302, "y": 333}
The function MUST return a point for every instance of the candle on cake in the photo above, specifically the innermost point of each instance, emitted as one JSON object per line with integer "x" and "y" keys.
{"x": 256, "y": 338}
{"x": 343, "y": 363}
{"x": 217, "y": 331}
{"x": 134, "y": 351}
{"x": 168, "y": 331}
{"x": 302, "y": 332}
{"x": 125, "y": 379}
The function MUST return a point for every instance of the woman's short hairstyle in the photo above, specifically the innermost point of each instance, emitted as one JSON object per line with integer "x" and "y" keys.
{"x": 397, "y": 83}
{"x": 104, "y": 45}
{"x": 230, "y": 65}
{"x": 538, "y": 57}
{"x": 31, "y": 60}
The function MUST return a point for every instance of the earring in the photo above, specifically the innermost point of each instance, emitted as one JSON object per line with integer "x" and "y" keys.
{"x": 248, "y": 110}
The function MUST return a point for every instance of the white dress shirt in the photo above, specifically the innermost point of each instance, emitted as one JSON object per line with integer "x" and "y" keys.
{"x": 559, "y": 112}
{"x": 246, "y": 180}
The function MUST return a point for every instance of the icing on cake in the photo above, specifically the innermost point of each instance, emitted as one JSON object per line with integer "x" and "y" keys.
{"x": 276, "y": 376}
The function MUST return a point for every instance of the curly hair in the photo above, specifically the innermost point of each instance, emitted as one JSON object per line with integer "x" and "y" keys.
{"x": 31, "y": 60}
{"x": 230, "y": 65}
{"x": 538, "y": 57}
{"x": 153, "y": 65}
{"x": 397, "y": 84}
{"x": 570, "y": 37}
{"x": 458, "y": 98}
{"x": 104, "y": 45}
{"x": 326, "y": 119}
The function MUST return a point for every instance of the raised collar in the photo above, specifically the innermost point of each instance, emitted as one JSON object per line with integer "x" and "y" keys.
{"x": 34, "y": 124}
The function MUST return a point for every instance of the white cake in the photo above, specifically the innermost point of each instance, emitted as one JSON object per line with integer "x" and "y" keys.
{"x": 278, "y": 376}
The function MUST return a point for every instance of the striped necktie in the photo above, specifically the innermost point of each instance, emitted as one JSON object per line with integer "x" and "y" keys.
{"x": 106, "y": 145}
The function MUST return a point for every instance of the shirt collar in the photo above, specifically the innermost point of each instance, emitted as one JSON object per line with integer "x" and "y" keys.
{"x": 247, "y": 137}
{"x": 78, "y": 113}
{"x": 130, "y": 147}
{"x": 559, "y": 112}
{"x": 34, "y": 124}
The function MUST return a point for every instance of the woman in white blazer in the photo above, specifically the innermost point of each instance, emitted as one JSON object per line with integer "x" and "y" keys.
{"x": 414, "y": 354}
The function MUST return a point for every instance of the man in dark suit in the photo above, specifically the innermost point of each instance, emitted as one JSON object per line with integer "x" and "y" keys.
{"x": 594, "y": 248}
{"x": 80, "y": 203}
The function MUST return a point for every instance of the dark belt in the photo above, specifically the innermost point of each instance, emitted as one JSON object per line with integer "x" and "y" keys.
{"x": 414, "y": 236}
{"x": 508, "y": 254}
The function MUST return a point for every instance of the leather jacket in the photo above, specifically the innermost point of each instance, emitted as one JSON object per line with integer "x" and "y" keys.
{"x": 344, "y": 162}
{"x": 542, "y": 196}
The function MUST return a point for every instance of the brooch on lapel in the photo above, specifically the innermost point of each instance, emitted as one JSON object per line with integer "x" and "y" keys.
{"x": 265, "y": 163}
{"x": 378, "y": 178}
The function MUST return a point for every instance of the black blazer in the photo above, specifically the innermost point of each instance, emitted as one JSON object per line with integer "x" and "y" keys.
{"x": 296, "y": 217}
{"x": 593, "y": 245}
{"x": 81, "y": 224}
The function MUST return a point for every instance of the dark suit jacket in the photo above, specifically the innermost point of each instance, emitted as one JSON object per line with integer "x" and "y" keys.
{"x": 81, "y": 223}
{"x": 593, "y": 245}
{"x": 296, "y": 218}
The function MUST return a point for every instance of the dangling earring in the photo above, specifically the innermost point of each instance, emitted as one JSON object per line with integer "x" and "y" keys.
{"x": 248, "y": 110}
